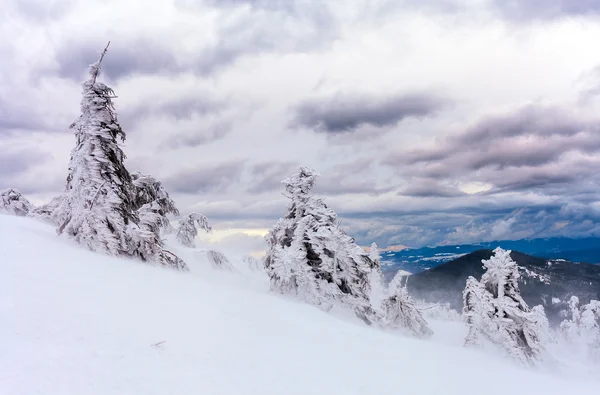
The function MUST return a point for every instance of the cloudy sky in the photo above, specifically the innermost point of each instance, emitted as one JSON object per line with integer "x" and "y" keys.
{"x": 430, "y": 121}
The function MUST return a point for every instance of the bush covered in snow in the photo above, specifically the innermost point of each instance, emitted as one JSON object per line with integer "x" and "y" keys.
{"x": 14, "y": 203}
{"x": 582, "y": 329}
{"x": 218, "y": 260}
{"x": 252, "y": 263}
{"x": 494, "y": 309}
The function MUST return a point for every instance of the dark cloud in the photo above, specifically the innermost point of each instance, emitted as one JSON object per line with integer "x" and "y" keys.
{"x": 429, "y": 188}
{"x": 524, "y": 10}
{"x": 15, "y": 161}
{"x": 15, "y": 117}
{"x": 268, "y": 28}
{"x": 268, "y": 175}
{"x": 201, "y": 136}
{"x": 182, "y": 108}
{"x": 206, "y": 178}
{"x": 345, "y": 113}
{"x": 39, "y": 10}
{"x": 529, "y": 137}
{"x": 125, "y": 57}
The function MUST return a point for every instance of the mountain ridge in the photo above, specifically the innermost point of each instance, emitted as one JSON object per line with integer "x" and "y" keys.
{"x": 543, "y": 281}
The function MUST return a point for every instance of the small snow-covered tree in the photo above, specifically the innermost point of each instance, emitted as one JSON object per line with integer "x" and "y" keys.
{"x": 188, "y": 228}
{"x": 13, "y": 202}
{"x": 252, "y": 263}
{"x": 582, "y": 330}
{"x": 218, "y": 260}
{"x": 495, "y": 309}
{"x": 311, "y": 256}
{"x": 399, "y": 310}
{"x": 103, "y": 207}
{"x": 376, "y": 280}
{"x": 48, "y": 211}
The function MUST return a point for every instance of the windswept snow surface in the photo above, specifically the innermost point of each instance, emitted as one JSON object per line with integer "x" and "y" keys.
{"x": 73, "y": 322}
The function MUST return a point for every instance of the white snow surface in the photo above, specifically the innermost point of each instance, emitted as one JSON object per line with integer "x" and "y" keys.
{"x": 74, "y": 322}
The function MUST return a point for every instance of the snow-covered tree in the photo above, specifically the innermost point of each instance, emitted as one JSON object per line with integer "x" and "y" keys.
{"x": 374, "y": 254}
{"x": 376, "y": 280}
{"x": 13, "y": 202}
{"x": 188, "y": 228}
{"x": 102, "y": 207}
{"x": 582, "y": 330}
{"x": 494, "y": 309}
{"x": 311, "y": 256}
{"x": 252, "y": 263}
{"x": 218, "y": 260}
{"x": 48, "y": 211}
{"x": 399, "y": 311}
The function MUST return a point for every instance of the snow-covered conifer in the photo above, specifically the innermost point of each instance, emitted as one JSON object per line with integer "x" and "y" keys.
{"x": 495, "y": 309}
{"x": 102, "y": 208}
{"x": 582, "y": 330}
{"x": 399, "y": 311}
{"x": 311, "y": 256}
{"x": 14, "y": 203}
{"x": 252, "y": 263}
{"x": 188, "y": 228}
{"x": 48, "y": 211}
{"x": 218, "y": 260}
{"x": 374, "y": 253}
{"x": 376, "y": 280}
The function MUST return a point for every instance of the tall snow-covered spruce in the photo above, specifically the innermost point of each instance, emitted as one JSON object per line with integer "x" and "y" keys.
{"x": 312, "y": 257}
{"x": 104, "y": 207}
{"x": 495, "y": 310}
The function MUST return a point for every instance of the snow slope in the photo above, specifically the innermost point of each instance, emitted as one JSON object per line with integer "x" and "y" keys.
{"x": 76, "y": 323}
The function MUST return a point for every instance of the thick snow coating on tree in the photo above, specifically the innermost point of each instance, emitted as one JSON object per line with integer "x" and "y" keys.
{"x": 582, "y": 330}
{"x": 311, "y": 256}
{"x": 48, "y": 211}
{"x": 252, "y": 263}
{"x": 14, "y": 203}
{"x": 218, "y": 260}
{"x": 104, "y": 207}
{"x": 494, "y": 309}
{"x": 399, "y": 311}
{"x": 188, "y": 228}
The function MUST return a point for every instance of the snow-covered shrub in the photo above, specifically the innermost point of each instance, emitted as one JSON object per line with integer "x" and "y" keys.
{"x": 188, "y": 228}
{"x": 14, "y": 203}
{"x": 376, "y": 280}
{"x": 218, "y": 260}
{"x": 438, "y": 311}
{"x": 310, "y": 256}
{"x": 398, "y": 310}
{"x": 103, "y": 207}
{"x": 252, "y": 263}
{"x": 582, "y": 330}
{"x": 48, "y": 211}
{"x": 494, "y": 308}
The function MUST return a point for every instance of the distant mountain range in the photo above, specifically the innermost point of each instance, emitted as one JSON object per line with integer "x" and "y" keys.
{"x": 543, "y": 281}
{"x": 417, "y": 260}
